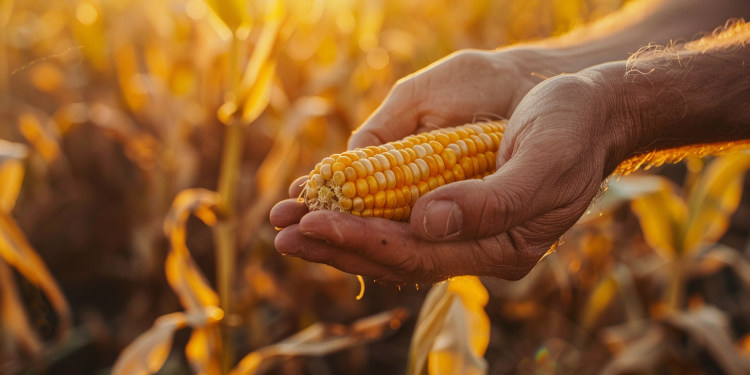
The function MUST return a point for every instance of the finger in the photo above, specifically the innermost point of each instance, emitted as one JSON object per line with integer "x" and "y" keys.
{"x": 287, "y": 212}
{"x": 383, "y": 241}
{"x": 295, "y": 189}
{"x": 291, "y": 241}
{"x": 509, "y": 255}
{"x": 487, "y": 207}
{"x": 396, "y": 118}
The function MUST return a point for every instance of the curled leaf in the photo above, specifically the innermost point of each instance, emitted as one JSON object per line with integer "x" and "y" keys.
{"x": 459, "y": 347}
{"x": 147, "y": 354}
{"x": 11, "y": 173}
{"x": 14, "y": 317}
{"x": 452, "y": 331}
{"x": 16, "y": 250}
{"x": 321, "y": 339}
{"x": 185, "y": 277}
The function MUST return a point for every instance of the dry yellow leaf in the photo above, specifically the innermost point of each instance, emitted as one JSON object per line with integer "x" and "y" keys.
{"x": 11, "y": 178}
{"x": 147, "y": 354}
{"x": 16, "y": 250}
{"x": 663, "y": 216}
{"x": 714, "y": 198}
{"x": 459, "y": 347}
{"x": 204, "y": 349}
{"x": 183, "y": 274}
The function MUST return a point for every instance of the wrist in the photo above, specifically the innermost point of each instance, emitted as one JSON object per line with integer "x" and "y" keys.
{"x": 616, "y": 116}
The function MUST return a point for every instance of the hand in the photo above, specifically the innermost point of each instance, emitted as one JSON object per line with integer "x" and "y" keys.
{"x": 551, "y": 162}
{"x": 464, "y": 87}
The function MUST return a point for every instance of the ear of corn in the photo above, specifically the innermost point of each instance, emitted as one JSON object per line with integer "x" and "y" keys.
{"x": 386, "y": 181}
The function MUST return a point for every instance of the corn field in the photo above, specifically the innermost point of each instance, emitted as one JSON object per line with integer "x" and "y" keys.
{"x": 144, "y": 142}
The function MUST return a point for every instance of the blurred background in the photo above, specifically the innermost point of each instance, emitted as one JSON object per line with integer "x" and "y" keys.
{"x": 112, "y": 109}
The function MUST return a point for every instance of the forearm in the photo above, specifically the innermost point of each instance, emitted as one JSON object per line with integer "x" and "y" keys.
{"x": 699, "y": 93}
{"x": 664, "y": 98}
{"x": 638, "y": 24}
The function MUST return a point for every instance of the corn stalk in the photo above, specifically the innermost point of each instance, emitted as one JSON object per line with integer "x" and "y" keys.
{"x": 6, "y": 7}
{"x": 224, "y": 233}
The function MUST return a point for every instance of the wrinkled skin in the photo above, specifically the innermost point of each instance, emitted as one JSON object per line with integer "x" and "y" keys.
{"x": 551, "y": 163}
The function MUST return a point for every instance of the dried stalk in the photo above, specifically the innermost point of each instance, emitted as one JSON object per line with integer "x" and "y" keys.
{"x": 224, "y": 231}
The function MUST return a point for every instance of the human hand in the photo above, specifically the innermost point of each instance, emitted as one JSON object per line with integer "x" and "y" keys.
{"x": 551, "y": 162}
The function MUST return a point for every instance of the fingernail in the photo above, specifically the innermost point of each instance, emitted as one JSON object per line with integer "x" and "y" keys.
{"x": 313, "y": 235}
{"x": 442, "y": 219}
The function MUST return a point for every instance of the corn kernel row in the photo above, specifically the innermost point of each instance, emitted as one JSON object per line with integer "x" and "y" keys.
{"x": 386, "y": 181}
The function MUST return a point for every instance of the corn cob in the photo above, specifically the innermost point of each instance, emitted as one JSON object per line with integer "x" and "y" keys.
{"x": 386, "y": 181}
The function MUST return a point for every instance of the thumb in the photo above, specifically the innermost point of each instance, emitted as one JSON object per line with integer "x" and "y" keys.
{"x": 396, "y": 118}
{"x": 473, "y": 209}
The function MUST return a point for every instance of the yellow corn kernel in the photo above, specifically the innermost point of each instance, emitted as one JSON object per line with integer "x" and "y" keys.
{"x": 398, "y": 213}
{"x": 392, "y": 161}
{"x": 482, "y": 161}
{"x": 380, "y": 199}
{"x": 467, "y": 165}
{"x": 437, "y": 147}
{"x": 432, "y": 183}
{"x": 390, "y": 179}
{"x": 414, "y": 194}
{"x": 407, "y": 212}
{"x": 349, "y": 190}
{"x": 359, "y": 168}
{"x": 447, "y": 176}
{"x": 471, "y": 146}
{"x": 369, "y": 201}
{"x": 345, "y": 160}
{"x": 432, "y": 165}
{"x": 440, "y": 163}
{"x": 440, "y": 180}
{"x": 443, "y": 139}
{"x": 380, "y": 179}
{"x": 406, "y": 191}
{"x": 398, "y": 158}
{"x": 358, "y": 204}
{"x": 390, "y": 199}
{"x": 491, "y": 161}
{"x": 338, "y": 167}
{"x": 345, "y": 203}
{"x": 373, "y": 184}
{"x": 449, "y": 158}
{"x": 423, "y": 187}
{"x": 384, "y": 163}
{"x": 405, "y": 155}
{"x": 351, "y": 174}
{"x": 326, "y": 172}
{"x": 398, "y": 173}
{"x": 479, "y": 144}
{"x": 458, "y": 173}
{"x": 424, "y": 169}
{"x": 339, "y": 178}
{"x": 363, "y": 188}
{"x": 399, "y": 197}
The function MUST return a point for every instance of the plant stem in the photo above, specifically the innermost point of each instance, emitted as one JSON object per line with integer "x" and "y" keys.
{"x": 224, "y": 233}
{"x": 675, "y": 288}
{"x": 6, "y": 8}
